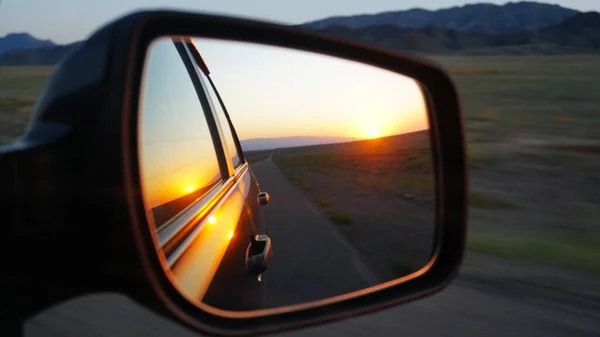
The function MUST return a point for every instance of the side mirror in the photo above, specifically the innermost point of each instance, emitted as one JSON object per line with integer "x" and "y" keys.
{"x": 140, "y": 162}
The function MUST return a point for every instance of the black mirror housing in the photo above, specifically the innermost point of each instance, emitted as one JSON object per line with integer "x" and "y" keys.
{"x": 75, "y": 171}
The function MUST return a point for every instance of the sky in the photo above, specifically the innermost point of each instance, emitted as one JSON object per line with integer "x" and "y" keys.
{"x": 65, "y": 21}
{"x": 278, "y": 92}
{"x": 269, "y": 92}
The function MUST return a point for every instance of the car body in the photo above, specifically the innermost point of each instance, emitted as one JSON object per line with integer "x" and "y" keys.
{"x": 205, "y": 209}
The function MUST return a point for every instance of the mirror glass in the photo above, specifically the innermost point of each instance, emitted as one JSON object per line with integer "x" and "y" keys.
{"x": 275, "y": 177}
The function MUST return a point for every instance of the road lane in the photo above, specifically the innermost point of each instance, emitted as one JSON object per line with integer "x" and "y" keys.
{"x": 311, "y": 261}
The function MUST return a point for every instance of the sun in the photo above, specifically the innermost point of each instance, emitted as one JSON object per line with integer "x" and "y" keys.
{"x": 373, "y": 133}
{"x": 190, "y": 188}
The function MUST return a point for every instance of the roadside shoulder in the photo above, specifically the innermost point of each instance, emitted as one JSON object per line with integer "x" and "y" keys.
{"x": 529, "y": 280}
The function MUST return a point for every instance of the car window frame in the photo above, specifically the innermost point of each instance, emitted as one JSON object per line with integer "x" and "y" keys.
{"x": 209, "y": 114}
{"x": 222, "y": 124}
{"x": 174, "y": 231}
{"x": 221, "y": 177}
{"x": 199, "y": 61}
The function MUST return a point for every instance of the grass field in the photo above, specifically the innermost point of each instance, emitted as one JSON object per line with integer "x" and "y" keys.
{"x": 19, "y": 88}
{"x": 532, "y": 129}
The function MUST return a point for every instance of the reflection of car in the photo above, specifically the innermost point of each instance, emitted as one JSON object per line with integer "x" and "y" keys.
{"x": 198, "y": 187}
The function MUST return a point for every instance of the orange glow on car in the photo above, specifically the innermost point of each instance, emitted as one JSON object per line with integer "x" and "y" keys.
{"x": 196, "y": 267}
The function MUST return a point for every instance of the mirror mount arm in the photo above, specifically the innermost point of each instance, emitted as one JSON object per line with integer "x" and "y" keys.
{"x": 13, "y": 322}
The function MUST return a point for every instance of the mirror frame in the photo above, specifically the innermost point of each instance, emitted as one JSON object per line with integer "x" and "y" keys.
{"x": 319, "y": 302}
{"x": 447, "y": 146}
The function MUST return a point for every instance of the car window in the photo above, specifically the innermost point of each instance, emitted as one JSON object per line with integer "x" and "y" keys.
{"x": 178, "y": 159}
{"x": 227, "y": 133}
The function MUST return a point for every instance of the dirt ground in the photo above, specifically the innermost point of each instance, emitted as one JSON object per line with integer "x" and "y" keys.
{"x": 377, "y": 193}
{"x": 393, "y": 233}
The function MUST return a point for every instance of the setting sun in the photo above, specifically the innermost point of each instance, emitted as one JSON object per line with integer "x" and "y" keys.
{"x": 189, "y": 188}
{"x": 373, "y": 133}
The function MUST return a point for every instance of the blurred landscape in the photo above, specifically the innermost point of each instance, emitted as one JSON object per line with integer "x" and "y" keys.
{"x": 528, "y": 76}
{"x": 532, "y": 131}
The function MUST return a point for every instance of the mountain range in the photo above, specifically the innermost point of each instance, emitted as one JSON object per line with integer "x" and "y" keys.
{"x": 515, "y": 27}
{"x": 46, "y": 55}
{"x": 473, "y": 18}
{"x": 577, "y": 34}
{"x": 17, "y": 41}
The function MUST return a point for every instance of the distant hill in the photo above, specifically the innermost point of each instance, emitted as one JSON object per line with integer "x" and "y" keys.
{"x": 473, "y": 18}
{"x": 20, "y": 41}
{"x": 256, "y": 144}
{"x": 579, "y": 33}
{"x": 425, "y": 40}
{"x": 378, "y": 146}
{"x": 38, "y": 56}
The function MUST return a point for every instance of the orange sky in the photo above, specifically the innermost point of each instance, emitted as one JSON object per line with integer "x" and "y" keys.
{"x": 277, "y": 92}
{"x": 269, "y": 92}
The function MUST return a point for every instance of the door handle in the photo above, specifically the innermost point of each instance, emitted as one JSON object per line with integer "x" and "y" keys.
{"x": 263, "y": 198}
{"x": 258, "y": 254}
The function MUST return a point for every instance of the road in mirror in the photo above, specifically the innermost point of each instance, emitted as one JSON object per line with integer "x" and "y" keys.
{"x": 275, "y": 177}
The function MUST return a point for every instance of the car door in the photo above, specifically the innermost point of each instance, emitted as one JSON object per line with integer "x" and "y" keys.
{"x": 198, "y": 192}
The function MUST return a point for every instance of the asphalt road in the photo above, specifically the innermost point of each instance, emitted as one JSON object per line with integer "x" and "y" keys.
{"x": 311, "y": 261}
{"x": 490, "y": 297}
